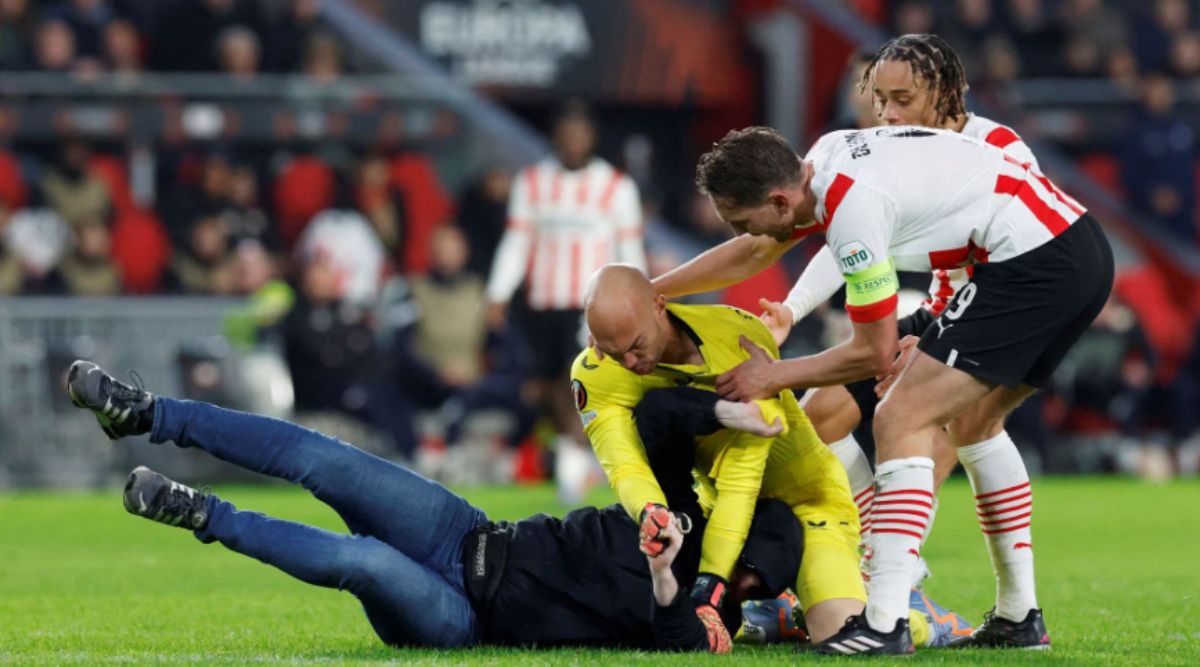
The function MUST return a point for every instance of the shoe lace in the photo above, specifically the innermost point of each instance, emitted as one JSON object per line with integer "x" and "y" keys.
{"x": 988, "y": 616}
{"x": 179, "y": 503}
{"x": 128, "y": 392}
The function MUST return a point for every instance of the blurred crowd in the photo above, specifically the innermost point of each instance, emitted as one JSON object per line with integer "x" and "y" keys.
{"x": 239, "y": 38}
{"x": 1149, "y": 50}
{"x": 388, "y": 280}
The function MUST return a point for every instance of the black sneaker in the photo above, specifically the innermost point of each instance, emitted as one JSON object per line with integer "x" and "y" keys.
{"x": 154, "y": 496}
{"x": 997, "y": 632}
{"x": 858, "y": 638}
{"x": 121, "y": 410}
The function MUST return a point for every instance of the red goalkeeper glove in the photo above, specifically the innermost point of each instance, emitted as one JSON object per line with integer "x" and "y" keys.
{"x": 707, "y": 594}
{"x": 654, "y": 519}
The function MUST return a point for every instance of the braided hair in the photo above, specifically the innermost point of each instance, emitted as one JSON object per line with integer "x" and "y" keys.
{"x": 935, "y": 63}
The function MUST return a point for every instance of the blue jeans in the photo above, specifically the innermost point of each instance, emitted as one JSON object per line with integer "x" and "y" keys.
{"x": 404, "y": 560}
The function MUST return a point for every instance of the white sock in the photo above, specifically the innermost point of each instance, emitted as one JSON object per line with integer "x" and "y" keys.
{"x": 921, "y": 572}
{"x": 862, "y": 479}
{"x": 903, "y": 499}
{"x": 1004, "y": 505}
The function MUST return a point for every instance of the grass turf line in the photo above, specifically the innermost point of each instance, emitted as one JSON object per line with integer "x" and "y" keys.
{"x": 81, "y": 582}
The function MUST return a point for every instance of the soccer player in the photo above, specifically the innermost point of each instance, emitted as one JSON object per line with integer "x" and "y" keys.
{"x": 568, "y": 215}
{"x": 644, "y": 344}
{"x": 916, "y": 199}
{"x": 914, "y": 80}
{"x": 429, "y": 568}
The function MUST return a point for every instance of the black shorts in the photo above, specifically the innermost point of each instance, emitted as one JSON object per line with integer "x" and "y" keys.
{"x": 552, "y": 337}
{"x": 1013, "y": 323}
{"x": 863, "y": 391}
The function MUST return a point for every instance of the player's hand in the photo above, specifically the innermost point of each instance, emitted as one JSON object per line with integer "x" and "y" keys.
{"x": 908, "y": 346}
{"x": 719, "y": 640}
{"x": 496, "y": 316}
{"x": 752, "y": 379}
{"x": 778, "y": 318}
{"x": 707, "y": 594}
{"x": 654, "y": 521}
{"x": 746, "y": 417}
{"x": 670, "y": 541}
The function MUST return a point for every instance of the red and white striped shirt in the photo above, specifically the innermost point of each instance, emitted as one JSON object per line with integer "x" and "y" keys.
{"x": 947, "y": 282}
{"x": 823, "y": 277}
{"x": 929, "y": 199}
{"x": 563, "y": 225}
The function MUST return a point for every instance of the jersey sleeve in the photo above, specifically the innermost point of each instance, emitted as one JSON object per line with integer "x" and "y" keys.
{"x": 737, "y": 481}
{"x": 860, "y": 223}
{"x": 512, "y": 254}
{"x": 605, "y": 397}
{"x": 819, "y": 281}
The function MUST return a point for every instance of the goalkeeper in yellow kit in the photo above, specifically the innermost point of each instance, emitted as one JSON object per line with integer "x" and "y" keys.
{"x": 643, "y": 343}
{"x": 646, "y": 350}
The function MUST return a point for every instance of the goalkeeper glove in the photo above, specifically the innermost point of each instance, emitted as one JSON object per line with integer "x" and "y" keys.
{"x": 707, "y": 595}
{"x": 654, "y": 519}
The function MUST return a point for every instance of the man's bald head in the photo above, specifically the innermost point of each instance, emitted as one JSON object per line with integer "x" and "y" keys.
{"x": 626, "y": 317}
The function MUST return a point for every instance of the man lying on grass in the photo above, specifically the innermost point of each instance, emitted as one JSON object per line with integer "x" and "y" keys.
{"x": 428, "y": 567}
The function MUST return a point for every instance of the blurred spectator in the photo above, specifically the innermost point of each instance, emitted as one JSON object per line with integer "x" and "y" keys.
{"x": 38, "y": 238}
{"x": 253, "y": 267}
{"x": 379, "y": 201}
{"x": 1111, "y": 370}
{"x": 185, "y": 40}
{"x": 54, "y": 50}
{"x": 1185, "y": 55}
{"x": 1096, "y": 21}
{"x": 1154, "y": 29}
{"x": 304, "y": 187}
{"x": 913, "y": 17}
{"x": 666, "y": 246}
{"x": 481, "y": 213}
{"x": 89, "y": 269}
{"x": 352, "y": 250}
{"x": 244, "y": 214}
{"x": 568, "y": 216}
{"x": 123, "y": 48}
{"x": 17, "y": 28}
{"x": 322, "y": 59}
{"x": 87, "y": 20}
{"x": 1031, "y": 24}
{"x": 856, "y": 105}
{"x": 11, "y": 276}
{"x": 75, "y": 194}
{"x": 204, "y": 265}
{"x": 1082, "y": 57}
{"x": 972, "y": 23}
{"x": 238, "y": 53}
{"x": 1001, "y": 65}
{"x": 1157, "y": 157}
{"x": 704, "y": 223}
{"x": 450, "y": 330}
{"x": 202, "y": 191}
{"x": 1121, "y": 66}
{"x": 287, "y": 38}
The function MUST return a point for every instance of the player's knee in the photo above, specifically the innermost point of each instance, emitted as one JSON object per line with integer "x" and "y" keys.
{"x": 974, "y": 426}
{"x": 365, "y": 564}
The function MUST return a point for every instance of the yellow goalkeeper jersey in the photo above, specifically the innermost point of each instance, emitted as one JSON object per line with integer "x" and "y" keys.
{"x": 733, "y": 469}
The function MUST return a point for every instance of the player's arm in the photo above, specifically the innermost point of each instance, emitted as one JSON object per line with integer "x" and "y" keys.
{"x": 859, "y": 240}
{"x": 738, "y": 479}
{"x": 820, "y": 280}
{"x": 678, "y": 624}
{"x": 605, "y": 399}
{"x": 512, "y": 254}
{"x": 727, "y": 264}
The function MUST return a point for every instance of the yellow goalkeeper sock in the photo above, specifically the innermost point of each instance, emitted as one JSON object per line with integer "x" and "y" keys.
{"x": 918, "y": 625}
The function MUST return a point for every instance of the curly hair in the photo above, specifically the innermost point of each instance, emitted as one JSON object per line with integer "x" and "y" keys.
{"x": 746, "y": 164}
{"x": 934, "y": 63}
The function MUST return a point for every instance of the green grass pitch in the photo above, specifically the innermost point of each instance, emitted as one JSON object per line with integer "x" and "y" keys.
{"x": 83, "y": 583}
